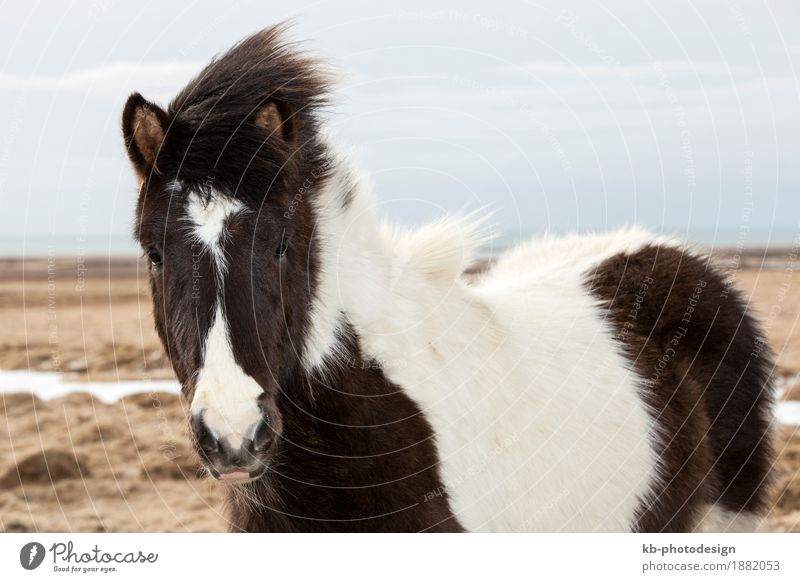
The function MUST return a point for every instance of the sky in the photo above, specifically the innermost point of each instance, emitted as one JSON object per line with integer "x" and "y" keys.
{"x": 560, "y": 116}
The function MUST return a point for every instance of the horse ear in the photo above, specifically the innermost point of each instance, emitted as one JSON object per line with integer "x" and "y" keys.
{"x": 277, "y": 119}
{"x": 143, "y": 129}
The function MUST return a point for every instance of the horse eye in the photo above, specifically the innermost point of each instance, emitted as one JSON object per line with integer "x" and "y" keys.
{"x": 282, "y": 248}
{"x": 154, "y": 256}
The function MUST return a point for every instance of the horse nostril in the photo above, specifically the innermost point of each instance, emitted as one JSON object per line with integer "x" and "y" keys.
{"x": 205, "y": 439}
{"x": 262, "y": 436}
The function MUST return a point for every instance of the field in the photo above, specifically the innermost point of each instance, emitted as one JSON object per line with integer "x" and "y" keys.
{"x": 74, "y": 463}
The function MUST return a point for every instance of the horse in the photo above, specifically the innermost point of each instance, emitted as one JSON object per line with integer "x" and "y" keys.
{"x": 343, "y": 374}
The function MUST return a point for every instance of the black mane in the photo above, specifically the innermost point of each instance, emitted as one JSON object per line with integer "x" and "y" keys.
{"x": 212, "y": 121}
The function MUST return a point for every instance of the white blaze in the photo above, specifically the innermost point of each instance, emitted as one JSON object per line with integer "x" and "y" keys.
{"x": 224, "y": 393}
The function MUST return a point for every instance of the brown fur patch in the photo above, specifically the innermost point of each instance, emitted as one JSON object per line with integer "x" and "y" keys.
{"x": 147, "y": 133}
{"x": 706, "y": 374}
{"x": 271, "y": 120}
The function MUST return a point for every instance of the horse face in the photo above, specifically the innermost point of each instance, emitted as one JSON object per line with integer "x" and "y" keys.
{"x": 229, "y": 288}
{"x": 228, "y": 239}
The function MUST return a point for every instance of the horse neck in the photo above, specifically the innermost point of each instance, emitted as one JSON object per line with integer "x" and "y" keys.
{"x": 381, "y": 279}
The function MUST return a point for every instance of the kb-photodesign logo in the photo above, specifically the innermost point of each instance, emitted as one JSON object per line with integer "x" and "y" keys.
{"x": 31, "y": 555}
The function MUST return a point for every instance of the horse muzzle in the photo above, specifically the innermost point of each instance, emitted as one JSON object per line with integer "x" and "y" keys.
{"x": 233, "y": 456}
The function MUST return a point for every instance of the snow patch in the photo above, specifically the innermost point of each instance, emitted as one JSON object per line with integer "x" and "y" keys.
{"x": 49, "y": 385}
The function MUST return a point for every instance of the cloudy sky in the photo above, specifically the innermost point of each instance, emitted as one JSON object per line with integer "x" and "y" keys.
{"x": 683, "y": 116}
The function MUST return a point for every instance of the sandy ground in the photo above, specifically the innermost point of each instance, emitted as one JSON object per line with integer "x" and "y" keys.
{"x": 77, "y": 464}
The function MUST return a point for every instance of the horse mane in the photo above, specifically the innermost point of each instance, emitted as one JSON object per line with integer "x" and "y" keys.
{"x": 442, "y": 249}
{"x": 215, "y": 117}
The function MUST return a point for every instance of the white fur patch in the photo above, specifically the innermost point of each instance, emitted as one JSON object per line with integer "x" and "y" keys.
{"x": 537, "y": 416}
{"x": 208, "y": 218}
{"x": 441, "y": 249}
{"x": 226, "y": 394}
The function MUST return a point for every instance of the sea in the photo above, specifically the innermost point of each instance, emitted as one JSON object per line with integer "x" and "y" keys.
{"x": 124, "y": 246}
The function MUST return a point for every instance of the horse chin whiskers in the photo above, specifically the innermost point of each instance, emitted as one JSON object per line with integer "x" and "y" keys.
{"x": 251, "y": 495}
{"x": 237, "y": 484}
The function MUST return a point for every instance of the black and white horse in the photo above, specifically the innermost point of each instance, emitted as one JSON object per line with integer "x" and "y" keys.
{"x": 343, "y": 375}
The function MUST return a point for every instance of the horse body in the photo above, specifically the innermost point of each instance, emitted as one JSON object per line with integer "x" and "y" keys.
{"x": 543, "y": 418}
{"x": 517, "y": 373}
{"x": 343, "y": 375}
